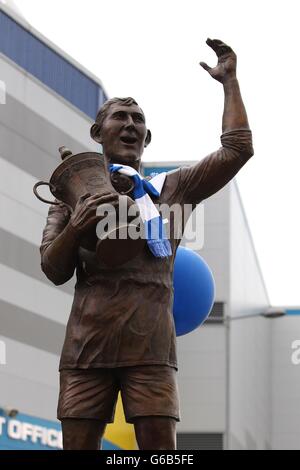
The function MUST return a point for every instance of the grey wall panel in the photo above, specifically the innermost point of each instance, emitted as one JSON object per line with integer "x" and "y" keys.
{"x": 31, "y": 329}
{"x": 247, "y": 289}
{"x": 249, "y": 405}
{"x": 29, "y": 362}
{"x": 30, "y": 141}
{"x": 218, "y": 262}
{"x": 216, "y": 241}
{"x": 216, "y": 236}
{"x": 249, "y": 359}
{"x": 206, "y": 390}
{"x": 37, "y": 97}
{"x": 17, "y": 185}
{"x": 23, "y": 256}
{"x": 209, "y": 364}
{"x": 25, "y": 154}
{"x": 20, "y": 220}
{"x": 29, "y": 380}
{"x": 285, "y": 384}
{"x": 216, "y": 208}
{"x": 215, "y": 249}
{"x": 205, "y": 339}
{"x": 28, "y": 397}
{"x": 285, "y": 441}
{"x": 26, "y": 292}
{"x": 201, "y": 378}
{"x": 202, "y": 418}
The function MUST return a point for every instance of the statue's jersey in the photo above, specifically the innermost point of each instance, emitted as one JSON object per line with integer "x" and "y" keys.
{"x": 123, "y": 316}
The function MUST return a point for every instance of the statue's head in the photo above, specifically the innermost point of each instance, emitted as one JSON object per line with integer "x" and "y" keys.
{"x": 121, "y": 129}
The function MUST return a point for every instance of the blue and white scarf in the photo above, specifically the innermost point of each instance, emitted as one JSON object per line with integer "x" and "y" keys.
{"x": 157, "y": 241}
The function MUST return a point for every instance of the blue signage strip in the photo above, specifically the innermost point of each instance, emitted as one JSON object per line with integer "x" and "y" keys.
{"x": 24, "y": 432}
{"x": 149, "y": 171}
{"x": 292, "y": 311}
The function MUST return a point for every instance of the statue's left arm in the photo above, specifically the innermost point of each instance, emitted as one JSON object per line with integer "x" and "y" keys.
{"x": 200, "y": 181}
{"x": 234, "y": 116}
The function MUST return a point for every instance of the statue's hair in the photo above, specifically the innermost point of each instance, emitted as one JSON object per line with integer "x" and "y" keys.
{"x": 105, "y": 107}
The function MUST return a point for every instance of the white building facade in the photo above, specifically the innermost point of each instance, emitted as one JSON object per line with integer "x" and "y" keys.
{"x": 239, "y": 387}
{"x": 238, "y": 384}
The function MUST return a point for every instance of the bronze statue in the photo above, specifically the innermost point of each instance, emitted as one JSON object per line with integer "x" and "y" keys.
{"x": 120, "y": 334}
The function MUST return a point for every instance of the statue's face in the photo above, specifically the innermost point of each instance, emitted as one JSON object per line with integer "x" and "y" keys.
{"x": 123, "y": 134}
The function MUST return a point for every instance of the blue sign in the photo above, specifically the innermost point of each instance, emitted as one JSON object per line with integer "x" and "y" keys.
{"x": 150, "y": 170}
{"x": 293, "y": 311}
{"x": 24, "y": 432}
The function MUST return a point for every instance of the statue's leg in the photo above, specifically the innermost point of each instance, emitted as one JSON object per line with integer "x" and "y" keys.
{"x": 87, "y": 401}
{"x": 82, "y": 434}
{"x": 151, "y": 403}
{"x": 155, "y": 433}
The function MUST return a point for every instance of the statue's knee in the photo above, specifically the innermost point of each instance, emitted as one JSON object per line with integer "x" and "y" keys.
{"x": 156, "y": 433}
{"x": 82, "y": 434}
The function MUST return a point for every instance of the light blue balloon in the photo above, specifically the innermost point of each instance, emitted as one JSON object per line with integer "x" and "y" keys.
{"x": 194, "y": 291}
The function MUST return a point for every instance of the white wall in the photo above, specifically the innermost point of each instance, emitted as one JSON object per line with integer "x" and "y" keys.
{"x": 285, "y": 385}
{"x": 202, "y": 380}
{"x": 202, "y": 353}
{"x": 247, "y": 289}
{"x": 249, "y": 360}
{"x": 29, "y": 380}
{"x": 43, "y": 101}
{"x": 216, "y": 241}
{"x": 249, "y": 404}
{"x": 34, "y": 122}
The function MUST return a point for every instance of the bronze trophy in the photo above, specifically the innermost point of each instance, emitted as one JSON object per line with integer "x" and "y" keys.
{"x": 87, "y": 173}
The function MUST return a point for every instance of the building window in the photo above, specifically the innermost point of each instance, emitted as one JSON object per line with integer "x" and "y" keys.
{"x": 49, "y": 67}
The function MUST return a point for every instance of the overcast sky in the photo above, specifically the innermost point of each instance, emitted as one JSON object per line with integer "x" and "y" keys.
{"x": 151, "y": 50}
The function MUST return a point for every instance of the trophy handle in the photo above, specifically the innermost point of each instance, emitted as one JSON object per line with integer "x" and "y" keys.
{"x": 52, "y": 189}
{"x": 44, "y": 183}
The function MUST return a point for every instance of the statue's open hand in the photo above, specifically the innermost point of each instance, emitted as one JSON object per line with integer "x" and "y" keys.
{"x": 84, "y": 215}
{"x": 226, "y": 67}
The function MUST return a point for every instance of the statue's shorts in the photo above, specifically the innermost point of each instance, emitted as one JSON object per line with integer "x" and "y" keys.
{"x": 148, "y": 390}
